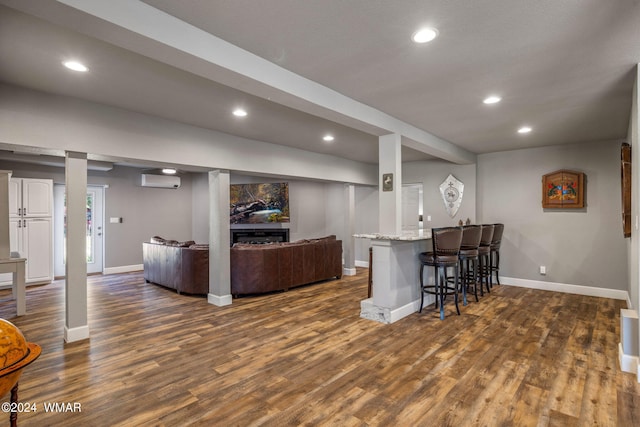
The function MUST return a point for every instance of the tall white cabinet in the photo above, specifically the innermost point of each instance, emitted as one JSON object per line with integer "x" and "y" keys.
{"x": 31, "y": 227}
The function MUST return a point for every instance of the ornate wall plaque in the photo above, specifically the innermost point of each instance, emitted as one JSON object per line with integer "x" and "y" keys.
{"x": 451, "y": 190}
{"x": 563, "y": 189}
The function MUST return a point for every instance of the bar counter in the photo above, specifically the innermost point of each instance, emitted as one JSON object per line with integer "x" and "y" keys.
{"x": 396, "y": 289}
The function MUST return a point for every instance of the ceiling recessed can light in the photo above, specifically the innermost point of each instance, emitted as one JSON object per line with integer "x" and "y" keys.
{"x": 169, "y": 171}
{"x": 328, "y": 138}
{"x": 493, "y": 99}
{"x": 239, "y": 112}
{"x": 524, "y": 129}
{"x": 75, "y": 66}
{"x": 424, "y": 35}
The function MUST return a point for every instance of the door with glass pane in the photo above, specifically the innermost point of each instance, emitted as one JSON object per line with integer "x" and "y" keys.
{"x": 95, "y": 229}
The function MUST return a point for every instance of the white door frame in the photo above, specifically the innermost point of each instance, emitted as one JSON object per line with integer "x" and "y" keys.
{"x": 58, "y": 197}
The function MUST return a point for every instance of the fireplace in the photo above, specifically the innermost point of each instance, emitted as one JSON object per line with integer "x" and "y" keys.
{"x": 259, "y": 235}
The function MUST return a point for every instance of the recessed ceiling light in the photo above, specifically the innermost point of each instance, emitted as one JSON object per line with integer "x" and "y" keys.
{"x": 169, "y": 171}
{"x": 75, "y": 66}
{"x": 524, "y": 129}
{"x": 493, "y": 99}
{"x": 424, "y": 35}
{"x": 328, "y": 138}
{"x": 239, "y": 112}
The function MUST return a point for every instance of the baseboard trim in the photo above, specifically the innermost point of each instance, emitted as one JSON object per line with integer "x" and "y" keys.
{"x": 76, "y": 334}
{"x": 364, "y": 264}
{"x": 123, "y": 269}
{"x": 349, "y": 271}
{"x": 628, "y": 363}
{"x": 218, "y": 300}
{"x": 566, "y": 288}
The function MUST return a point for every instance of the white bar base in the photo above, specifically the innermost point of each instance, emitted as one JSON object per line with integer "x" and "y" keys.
{"x": 386, "y": 315}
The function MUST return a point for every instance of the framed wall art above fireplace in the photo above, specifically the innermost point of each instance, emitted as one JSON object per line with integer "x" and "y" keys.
{"x": 563, "y": 189}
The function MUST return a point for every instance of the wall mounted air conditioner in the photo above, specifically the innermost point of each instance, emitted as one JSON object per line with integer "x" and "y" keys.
{"x": 160, "y": 181}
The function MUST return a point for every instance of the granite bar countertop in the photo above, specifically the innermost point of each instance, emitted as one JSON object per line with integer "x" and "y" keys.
{"x": 405, "y": 236}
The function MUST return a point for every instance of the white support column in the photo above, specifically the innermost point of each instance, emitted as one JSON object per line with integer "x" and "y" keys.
{"x": 76, "y": 325}
{"x": 219, "y": 254}
{"x": 5, "y": 176}
{"x": 390, "y": 194}
{"x": 349, "y": 242}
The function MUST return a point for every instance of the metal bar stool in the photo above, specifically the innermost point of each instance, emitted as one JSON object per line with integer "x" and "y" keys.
{"x": 484, "y": 254}
{"x": 494, "y": 254}
{"x": 446, "y": 248}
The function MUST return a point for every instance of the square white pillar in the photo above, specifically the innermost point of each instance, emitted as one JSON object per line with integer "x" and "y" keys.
{"x": 5, "y": 246}
{"x": 219, "y": 251}
{"x": 390, "y": 184}
{"x": 76, "y": 325}
{"x": 349, "y": 242}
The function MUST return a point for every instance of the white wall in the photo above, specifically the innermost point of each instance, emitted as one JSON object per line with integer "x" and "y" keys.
{"x": 366, "y": 219}
{"x": 145, "y": 211}
{"x": 633, "y": 139}
{"x": 37, "y": 119}
{"x": 578, "y": 247}
{"x": 431, "y": 174}
{"x": 315, "y": 208}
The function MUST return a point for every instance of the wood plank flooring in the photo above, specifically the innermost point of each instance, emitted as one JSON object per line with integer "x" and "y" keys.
{"x": 519, "y": 357}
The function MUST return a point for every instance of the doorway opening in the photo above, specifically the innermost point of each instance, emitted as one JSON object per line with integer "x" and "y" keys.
{"x": 95, "y": 229}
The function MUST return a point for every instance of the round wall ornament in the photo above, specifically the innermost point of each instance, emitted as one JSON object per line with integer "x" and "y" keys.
{"x": 451, "y": 190}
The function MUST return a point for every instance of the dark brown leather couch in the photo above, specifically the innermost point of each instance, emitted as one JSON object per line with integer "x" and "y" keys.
{"x": 180, "y": 266}
{"x": 255, "y": 269}
{"x": 280, "y": 266}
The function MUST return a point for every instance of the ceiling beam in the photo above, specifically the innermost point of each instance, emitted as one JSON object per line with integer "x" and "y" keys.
{"x": 143, "y": 29}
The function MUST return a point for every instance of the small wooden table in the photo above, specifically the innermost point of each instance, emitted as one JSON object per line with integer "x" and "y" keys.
{"x": 17, "y": 267}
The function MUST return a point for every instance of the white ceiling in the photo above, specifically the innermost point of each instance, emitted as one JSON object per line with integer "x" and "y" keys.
{"x": 563, "y": 67}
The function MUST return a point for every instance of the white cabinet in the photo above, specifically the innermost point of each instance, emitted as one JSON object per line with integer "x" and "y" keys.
{"x": 37, "y": 241}
{"x": 31, "y": 227}
{"x": 30, "y": 197}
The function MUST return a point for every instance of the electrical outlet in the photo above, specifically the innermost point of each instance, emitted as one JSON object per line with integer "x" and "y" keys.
{"x": 428, "y": 217}
{"x": 543, "y": 269}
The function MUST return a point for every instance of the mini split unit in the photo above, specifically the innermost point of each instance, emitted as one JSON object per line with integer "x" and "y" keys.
{"x": 160, "y": 181}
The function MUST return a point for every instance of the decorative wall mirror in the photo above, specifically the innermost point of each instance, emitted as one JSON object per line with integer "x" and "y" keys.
{"x": 625, "y": 169}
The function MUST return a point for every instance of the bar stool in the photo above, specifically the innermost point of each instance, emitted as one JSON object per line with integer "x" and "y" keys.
{"x": 370, "y": 281}
{"x": 494, "y": 254}
{"x": 469, "y": 258}
{"x": 484, "y": 254}
{"x": 446, "y": 248}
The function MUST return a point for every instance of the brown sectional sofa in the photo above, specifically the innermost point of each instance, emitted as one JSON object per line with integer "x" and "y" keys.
{"x": 254, "y": 268}
{"x": 280, "y": 266}
{"x": 180, "y": 266}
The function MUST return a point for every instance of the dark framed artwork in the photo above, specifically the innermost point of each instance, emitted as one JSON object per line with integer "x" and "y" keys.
{"x": 625, "y": 184}
{"x": 563, "y": 189}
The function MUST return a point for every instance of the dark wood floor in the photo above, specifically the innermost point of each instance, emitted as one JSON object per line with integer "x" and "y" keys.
{"x": 518, "y": 357}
